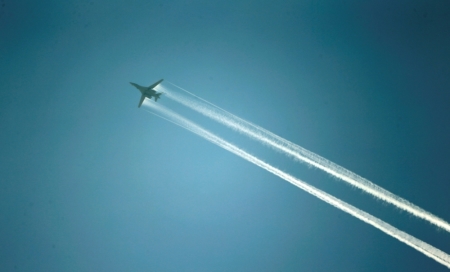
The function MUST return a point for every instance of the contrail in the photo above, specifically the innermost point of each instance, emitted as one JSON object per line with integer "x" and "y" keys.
{"x": 301, "y": 154}
{"x": 413, "y": 242}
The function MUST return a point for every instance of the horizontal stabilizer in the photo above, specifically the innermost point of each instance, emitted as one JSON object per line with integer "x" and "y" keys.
{"x": 157, "y": 96}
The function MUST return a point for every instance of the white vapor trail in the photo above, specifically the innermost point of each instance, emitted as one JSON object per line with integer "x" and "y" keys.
{"x": 415, "y": 243}
{"x": 301, "y": 154}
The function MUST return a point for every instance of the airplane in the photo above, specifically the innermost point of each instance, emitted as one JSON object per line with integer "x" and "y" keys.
{"x": 148, "y": 92}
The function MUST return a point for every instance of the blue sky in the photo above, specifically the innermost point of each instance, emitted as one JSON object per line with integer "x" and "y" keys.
{"x": 89, "y": 182}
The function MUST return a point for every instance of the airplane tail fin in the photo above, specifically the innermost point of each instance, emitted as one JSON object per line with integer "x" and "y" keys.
{"x": 157, "y": 96}
{"x": 141, "y": 101}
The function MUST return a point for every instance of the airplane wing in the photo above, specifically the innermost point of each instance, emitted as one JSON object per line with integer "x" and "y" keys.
{"x": 134, "y": 84}
{"x": 155, "y": 84}
{"x": 141, "y": 101}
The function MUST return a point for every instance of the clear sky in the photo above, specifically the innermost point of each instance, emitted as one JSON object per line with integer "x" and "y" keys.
{"x": 89, "y": 182}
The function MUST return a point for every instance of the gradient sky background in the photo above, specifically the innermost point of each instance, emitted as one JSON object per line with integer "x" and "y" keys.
{"x": 89, "y": 182}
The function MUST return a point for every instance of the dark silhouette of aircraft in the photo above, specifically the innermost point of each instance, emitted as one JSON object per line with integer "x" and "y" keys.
{"x": 148, "y": 92}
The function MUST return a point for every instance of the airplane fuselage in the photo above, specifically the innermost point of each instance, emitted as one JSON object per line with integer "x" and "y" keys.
{"x": 149, "y": 93}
